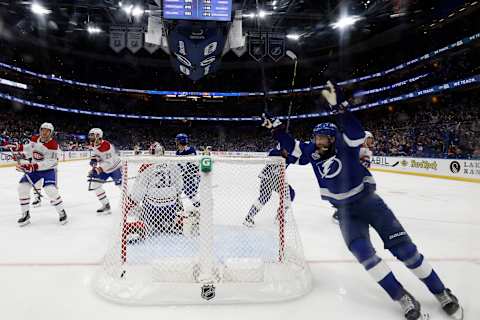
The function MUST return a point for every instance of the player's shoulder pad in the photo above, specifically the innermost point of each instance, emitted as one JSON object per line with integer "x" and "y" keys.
{"x": 34, "y": 138}
{"x": 51, "y": 145}
{"x": 104, "y": 146}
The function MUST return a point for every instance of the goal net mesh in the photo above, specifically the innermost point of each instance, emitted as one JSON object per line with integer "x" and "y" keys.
{"x": 181, "y": 236}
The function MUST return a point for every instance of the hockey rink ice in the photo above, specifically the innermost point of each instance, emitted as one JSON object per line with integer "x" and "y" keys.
{"x": 46, "y": 269}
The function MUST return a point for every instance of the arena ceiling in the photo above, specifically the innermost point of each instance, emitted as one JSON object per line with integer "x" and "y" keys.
{"x": 307, "y": 22}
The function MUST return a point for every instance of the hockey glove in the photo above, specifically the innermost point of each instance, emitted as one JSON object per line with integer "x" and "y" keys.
{"x": 335, "y": 97}
{"x": 270, "y": 122}
{"x": 27, "y": 168}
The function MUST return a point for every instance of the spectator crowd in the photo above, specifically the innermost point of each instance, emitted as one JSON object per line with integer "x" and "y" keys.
{"x": 447, "y": 127}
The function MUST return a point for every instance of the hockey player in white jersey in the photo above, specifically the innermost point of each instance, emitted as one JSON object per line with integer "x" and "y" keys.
{"x": 154, "y": 198}
{"x": 43, "y": 152}
{"x": 156, "y": 149}
{"x": 365, "y": 156}
{"x": 105, "y": 164}
{"x": 366, "y": 152}
{"x": 269, "y": 182}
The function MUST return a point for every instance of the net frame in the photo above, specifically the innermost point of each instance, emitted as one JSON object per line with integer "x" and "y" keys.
{"x": 295, "y": 284}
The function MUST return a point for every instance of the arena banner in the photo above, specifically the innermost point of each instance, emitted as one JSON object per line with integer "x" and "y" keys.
{"x": 117, "y": 39}
{"x": 196, "y": 51}
{"x": 118, "y": 43}
{"x": 453, "y": 169}
{"x": 7, "y": 161}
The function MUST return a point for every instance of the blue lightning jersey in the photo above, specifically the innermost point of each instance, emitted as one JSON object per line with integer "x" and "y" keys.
{"x": 342, "y": 178}
{"x": 188, "y": 151}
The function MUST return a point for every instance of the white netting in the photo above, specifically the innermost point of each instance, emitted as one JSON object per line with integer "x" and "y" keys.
{"x": 181, "y": 237}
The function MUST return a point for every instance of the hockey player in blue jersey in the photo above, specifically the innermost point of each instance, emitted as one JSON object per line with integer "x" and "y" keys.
{"x": 349, "y": 186}
{"x": 190, "y": 171}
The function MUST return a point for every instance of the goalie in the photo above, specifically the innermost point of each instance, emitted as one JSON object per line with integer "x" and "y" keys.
{"x": 153, "y": 200}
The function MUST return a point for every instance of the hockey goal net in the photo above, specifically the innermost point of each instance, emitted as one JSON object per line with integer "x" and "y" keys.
{"x": 181, "y": 238}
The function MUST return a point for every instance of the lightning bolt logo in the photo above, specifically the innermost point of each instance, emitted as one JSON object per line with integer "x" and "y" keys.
{"x": 326, "y": 167}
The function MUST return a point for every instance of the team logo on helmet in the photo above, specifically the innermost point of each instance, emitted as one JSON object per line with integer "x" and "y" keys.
{"x": 329, "y": 168}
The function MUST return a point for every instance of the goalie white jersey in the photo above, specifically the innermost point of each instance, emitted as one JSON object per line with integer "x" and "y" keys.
{"x": 158, "y": 184}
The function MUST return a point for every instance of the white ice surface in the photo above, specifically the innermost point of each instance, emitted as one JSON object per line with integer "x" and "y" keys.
{"x": 46, "y": 269}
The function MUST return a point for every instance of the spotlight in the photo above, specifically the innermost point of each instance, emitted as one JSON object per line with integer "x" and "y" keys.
{"x": 93, "y": 29}
{"x": 137, "y": 11}
{"x": 40, "y": 10}
{"x": 293, "y": 36}
{"x": 345, "y": 22}
{"x": 128, "y": 9}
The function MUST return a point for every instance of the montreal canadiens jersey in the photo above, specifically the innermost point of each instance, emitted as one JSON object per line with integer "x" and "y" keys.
{"x": 158, "y": 184}
{"x": 156, "y": 148}
{"x": 107, "y": 159}
{"x": 271, "y": 171}
{"x": 342, "y": 178}
{"x": 366, "y": 156}
{"x": 45, "y": 155}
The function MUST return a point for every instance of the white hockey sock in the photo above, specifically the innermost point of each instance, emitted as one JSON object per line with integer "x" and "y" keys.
{"x": 24, "y": 196}
{"x": 101, "y": 195}
{"x": 55, "y": 199}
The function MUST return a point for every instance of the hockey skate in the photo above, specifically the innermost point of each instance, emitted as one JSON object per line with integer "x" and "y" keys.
{"x": 104, "y": 210}
{"x": 411, "y": 308}
{"x": 450, "y": 304}
{"x": 24, "y": 219}
{"x": 248, "y": 222}
{"x": 37, "y": 202}
{"x": 62, "y": 217}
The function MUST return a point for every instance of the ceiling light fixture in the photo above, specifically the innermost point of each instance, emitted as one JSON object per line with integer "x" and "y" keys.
{"x": 345, "y": 22}
{"x": 40, "y": 10}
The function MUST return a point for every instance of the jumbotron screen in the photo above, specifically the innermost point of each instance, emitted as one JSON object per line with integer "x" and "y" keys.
{"x": 213, "y": 10}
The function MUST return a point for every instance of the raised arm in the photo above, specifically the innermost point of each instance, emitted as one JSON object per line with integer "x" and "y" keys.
{"x": 352, "y": 131}
{"x": 294, "y": 151}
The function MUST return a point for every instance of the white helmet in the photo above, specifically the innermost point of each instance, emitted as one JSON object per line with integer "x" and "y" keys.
{"x": 47, "y": 125}
{"x": 368, "y": 134}
{"x": 97, "y": 132}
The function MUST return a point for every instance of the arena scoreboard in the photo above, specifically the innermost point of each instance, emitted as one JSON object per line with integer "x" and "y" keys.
{"x": 213, "y": 10}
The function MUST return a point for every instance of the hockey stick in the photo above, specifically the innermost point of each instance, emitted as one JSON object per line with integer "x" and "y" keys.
{"x": 25, "y": 174}
{"x": 90, "y": 180}
{"x": 292, "y": 56}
